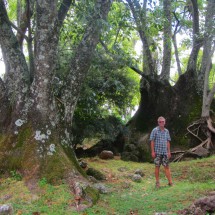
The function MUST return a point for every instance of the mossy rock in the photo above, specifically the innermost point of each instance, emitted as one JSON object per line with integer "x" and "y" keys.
{"x": 96, "y": 174}
{"x": 91, "y": 193}
{"x": 129, "y": 156}
{"x": 130, "y": 147}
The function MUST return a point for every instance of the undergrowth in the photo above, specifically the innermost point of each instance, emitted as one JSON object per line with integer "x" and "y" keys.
{"x": 192, "y": 179}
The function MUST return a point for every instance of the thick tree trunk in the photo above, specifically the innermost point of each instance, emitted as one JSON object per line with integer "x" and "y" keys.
{"x": 39, "y": 143}
{"x": 167, "y": 34}
{"x": 46, "y": 37}
{"x": 161, "y": 99}
{"x": 208, "y": 50}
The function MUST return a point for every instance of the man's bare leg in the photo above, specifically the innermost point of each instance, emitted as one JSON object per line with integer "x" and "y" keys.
{"x": 168, "y": 174}
{"x": 157, "y": 171}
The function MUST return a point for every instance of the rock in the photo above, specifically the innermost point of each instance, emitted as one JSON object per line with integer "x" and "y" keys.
{"x": 136, "y": 178}
{"x": 139, "y": 172}
{"x": 6, "y": 210}
{"x": 207, "y": 204}
{"x": 130, "y": 156}
{"x": 126, "y": 185}
{"x": 101, "y": 188}
{"x": 92, "y": 179}
{"x": 106, "y": 155}
{"x": 95, "y": 173}
{"x": 122, "y": 169}
{"x": 202, "y": 206}
{"x": 83, "y": 164}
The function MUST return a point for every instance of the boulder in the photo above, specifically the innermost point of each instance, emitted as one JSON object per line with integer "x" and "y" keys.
{"x": 139, "y": 172}
{"x": 136, "y": 178}
{"x": 106, "y": 155}
{"x": 202, "y": 206}
{"x": 101, "y": 188}
{"x": 95, "y": 173}
{"x": 83, "y": 164}
{"x": 6, "y": 209}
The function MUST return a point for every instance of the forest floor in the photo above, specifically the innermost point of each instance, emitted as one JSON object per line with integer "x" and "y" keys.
{"x": 192, "y": 180}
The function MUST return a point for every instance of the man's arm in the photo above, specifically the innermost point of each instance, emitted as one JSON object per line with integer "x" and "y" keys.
{"x": 168, "y": 149}
{"x": 153, "y": 148}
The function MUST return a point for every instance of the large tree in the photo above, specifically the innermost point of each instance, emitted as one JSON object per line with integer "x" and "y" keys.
{"x": 187, "y": 104}
{"x": 35, "y": 123}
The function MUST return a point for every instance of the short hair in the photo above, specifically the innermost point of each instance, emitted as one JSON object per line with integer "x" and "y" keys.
{"x": 161, "y": 117}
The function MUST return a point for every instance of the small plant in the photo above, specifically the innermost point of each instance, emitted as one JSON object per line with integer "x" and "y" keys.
{"x": 15, "y": 175}
{"x": 42, "y": 182}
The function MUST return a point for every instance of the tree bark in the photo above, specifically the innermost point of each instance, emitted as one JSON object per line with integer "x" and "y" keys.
{"x": 167, "y": 33}
{"x": 197, "y": 41}
{"x": 206, "y": 59}
{"x": 176, "y": 55}
{"x": 174, "y": 39}
{"x": 46, "y": 37}
{"x": 149, "y": 67}
{"x": 17, "y": 77}
{"x": 24, "y": 12}
{"x": 4, "y": 111}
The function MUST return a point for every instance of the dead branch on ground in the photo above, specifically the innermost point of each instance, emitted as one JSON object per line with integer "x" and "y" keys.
{"x": 203, "y": 149}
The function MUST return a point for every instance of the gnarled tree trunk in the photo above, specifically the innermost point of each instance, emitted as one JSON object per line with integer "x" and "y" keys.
{"x": 35, "y": 125}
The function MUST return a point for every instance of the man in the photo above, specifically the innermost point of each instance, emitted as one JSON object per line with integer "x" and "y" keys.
{"x": 160, "y": 149}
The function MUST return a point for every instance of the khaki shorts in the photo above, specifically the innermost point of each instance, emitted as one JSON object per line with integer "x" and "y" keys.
{"x": 161, "y": 159}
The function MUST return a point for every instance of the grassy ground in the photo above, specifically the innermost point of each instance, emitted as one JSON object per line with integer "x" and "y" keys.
{"x": 192, "y": 179}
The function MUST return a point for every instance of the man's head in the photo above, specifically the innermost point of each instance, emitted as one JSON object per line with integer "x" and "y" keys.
{"x": 161, "y": 121}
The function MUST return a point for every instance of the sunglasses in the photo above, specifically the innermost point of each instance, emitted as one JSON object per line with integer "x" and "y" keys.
{"x": 161, "y": 121}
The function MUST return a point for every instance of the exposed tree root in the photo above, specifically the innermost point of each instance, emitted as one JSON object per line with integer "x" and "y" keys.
{"x": 210, "y": 125}
{"x": 203, "y": 149}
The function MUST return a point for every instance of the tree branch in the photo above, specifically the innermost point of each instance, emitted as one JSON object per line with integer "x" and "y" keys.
{"x": 117, "y": 58}
{"x": 18, "y": 30}
{"x": 175, "y": 43}
{"x": 212, "y": 91}
{"x": 24, "y": 20}
{"x": 30, "y": 6}
{"x": 81, "y": 61}
{"x": 139, "y": 18}
{"x": 197, "y": 42}
{"x": 14, "y": 57}
{"x": 65, "y": 5}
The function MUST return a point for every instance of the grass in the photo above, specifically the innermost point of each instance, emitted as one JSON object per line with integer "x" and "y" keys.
{"x": 192, "y": 179}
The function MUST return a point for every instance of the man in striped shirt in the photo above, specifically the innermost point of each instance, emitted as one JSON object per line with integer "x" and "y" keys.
{"x": 160, "y": 149}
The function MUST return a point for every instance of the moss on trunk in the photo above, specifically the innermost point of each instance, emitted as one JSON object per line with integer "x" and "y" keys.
{"x": 31, "y": 158}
